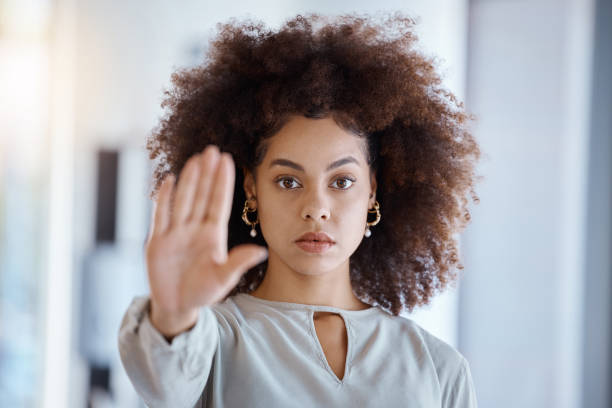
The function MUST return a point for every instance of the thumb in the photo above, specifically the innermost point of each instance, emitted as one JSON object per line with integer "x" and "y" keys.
{"x": 242, "y": 258}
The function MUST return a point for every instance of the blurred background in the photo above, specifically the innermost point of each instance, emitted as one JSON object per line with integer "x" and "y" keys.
{"x": 80, "y": 88}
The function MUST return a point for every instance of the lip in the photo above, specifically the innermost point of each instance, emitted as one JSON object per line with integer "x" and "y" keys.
{"x": 315, "y": 242}
{"x": 321, "y": 237}
{"x": 316, "y": 247}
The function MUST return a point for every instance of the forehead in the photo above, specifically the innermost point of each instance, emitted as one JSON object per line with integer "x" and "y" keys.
{"x": 307, "y": 140}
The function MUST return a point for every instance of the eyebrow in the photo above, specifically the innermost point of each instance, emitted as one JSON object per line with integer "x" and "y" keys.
{"x": 332, "y": 165}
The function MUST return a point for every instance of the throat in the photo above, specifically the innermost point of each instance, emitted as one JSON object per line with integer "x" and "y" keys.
{"x": 333, "y": 339}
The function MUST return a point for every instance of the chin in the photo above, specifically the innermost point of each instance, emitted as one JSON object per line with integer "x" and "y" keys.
{"x": 313, "y": 264}
{"x": 309, "y": 271}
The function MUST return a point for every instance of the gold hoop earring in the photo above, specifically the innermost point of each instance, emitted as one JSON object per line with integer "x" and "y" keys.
{"x": 245, "y": 218}
{"x": 376, "y": 211}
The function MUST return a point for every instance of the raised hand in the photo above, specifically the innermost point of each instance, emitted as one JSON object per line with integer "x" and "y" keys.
{"x": 188, "y": 264}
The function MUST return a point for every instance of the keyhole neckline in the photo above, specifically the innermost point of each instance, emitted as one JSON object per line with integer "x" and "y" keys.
{"x": 312, "y": 308}
{"x": 321, "y": 352}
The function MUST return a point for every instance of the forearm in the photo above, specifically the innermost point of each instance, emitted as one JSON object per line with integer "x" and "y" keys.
{"x": 167, "y": 373}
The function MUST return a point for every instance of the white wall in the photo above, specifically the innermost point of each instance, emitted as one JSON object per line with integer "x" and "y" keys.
{"x": 528, "y": 81}
{"x": 598, "y": 267}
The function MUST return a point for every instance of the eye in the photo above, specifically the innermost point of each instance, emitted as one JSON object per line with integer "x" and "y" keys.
{"x": 285, "y": 182}
{"x": 289, "y": 183}
{"x": 347, "y": 182}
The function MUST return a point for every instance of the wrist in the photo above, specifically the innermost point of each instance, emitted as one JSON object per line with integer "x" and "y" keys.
{"x": 171, "y": 324}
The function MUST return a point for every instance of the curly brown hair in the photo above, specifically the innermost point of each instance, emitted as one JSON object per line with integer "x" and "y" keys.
{"x": 370, "y": 79}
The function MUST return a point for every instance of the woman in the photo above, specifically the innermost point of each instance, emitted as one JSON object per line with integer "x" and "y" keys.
{"x": 355, "y": 165}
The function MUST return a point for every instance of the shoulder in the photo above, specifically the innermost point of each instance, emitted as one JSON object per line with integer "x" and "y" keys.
{"x": 451, "y": 366}
{"x": 448, "y": 362}
{"x": 445, "y": 357}
{"x": 229, "y": 314}
{"x": 439, "y": 350}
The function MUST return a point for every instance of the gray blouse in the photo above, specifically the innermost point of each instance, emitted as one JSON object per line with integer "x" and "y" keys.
{"x": 251, "y": 352}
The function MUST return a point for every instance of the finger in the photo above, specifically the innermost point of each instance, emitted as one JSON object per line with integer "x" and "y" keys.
{"x": 208, "y": 167}
{"x": 185, "y": 191}
{"x": 152, "y": 223}
{"x": 240, "y": 259}
{"x": 161, "y": 207}
{"x": 220, "y": 204}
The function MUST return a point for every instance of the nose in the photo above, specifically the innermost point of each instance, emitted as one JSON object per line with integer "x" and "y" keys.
{"x": 315, "y": 214}
{"x": 315, "y": 209}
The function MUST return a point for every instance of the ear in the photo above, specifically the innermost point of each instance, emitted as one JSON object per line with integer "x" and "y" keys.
{"x": 373, "y": 185}
{"x": 249, "y": 184}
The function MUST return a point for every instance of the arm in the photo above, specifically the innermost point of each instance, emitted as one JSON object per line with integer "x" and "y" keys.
{"x": 189, "y": 270}
{"x": 167, "y": 374}
{"x": 460, "y": 392}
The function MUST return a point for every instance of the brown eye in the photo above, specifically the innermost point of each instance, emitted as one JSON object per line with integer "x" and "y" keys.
{"x": 286, "y": 182}
{"x": 345, "y": 183}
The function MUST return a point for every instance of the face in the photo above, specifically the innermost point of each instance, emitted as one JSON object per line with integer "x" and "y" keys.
{"x": 314, "y": 177}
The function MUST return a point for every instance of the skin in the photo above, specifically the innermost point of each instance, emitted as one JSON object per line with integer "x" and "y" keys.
{"x": 312, "y": 200}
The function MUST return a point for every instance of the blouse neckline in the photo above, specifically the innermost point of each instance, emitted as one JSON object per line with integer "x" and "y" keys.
{"x": 300, "y": 306}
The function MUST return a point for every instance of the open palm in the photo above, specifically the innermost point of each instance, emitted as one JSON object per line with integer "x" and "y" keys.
{"x": 188, "y": 264}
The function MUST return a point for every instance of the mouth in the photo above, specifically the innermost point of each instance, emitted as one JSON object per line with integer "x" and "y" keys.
{"x": 314, "y": 246}
{"x": 319, "y": 236}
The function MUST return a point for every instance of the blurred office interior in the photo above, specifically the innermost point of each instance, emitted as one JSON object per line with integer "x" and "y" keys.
{"x": 80, "y": 89}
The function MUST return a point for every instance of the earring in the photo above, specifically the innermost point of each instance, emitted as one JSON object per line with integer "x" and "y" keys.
{"x": 245, "y": 218}
{"x": 376, "y": 210}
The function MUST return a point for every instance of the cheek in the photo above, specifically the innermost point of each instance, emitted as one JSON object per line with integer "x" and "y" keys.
{"x": 355, "y": 226}
{"x": 275, "y": 220}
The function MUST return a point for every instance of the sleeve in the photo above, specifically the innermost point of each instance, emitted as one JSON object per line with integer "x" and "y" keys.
{"x": 460, "y": 392}
{"x": 167, "y": 374}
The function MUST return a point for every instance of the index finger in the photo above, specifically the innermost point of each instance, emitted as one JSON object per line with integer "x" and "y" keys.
{"x": 161, "y": 207}
{"x": 222, "y": 194}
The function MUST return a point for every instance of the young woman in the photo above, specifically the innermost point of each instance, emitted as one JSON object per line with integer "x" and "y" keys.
{"x": 355, "y": 167}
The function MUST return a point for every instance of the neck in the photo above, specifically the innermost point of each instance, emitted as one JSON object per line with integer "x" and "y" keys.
{"x": 332, "y": 288}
